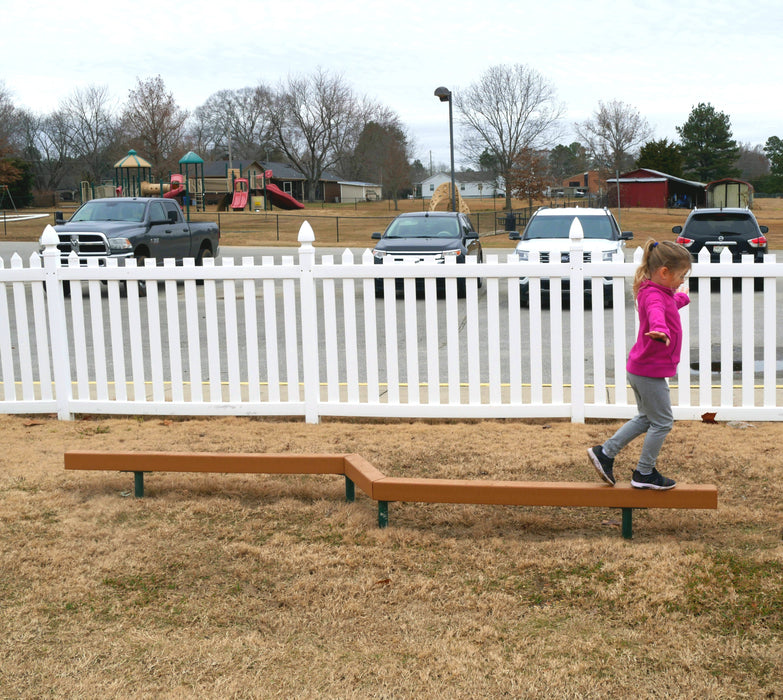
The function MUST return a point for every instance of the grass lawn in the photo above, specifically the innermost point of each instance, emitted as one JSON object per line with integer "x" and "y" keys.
{"x": 351, "y": 226}
{"x": 238, "y": 586}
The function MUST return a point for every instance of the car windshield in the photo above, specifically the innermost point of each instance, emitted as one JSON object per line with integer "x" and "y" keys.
{"x": 423, "y": 227}
{"x": 721, "y": 223}
{"x": 110, "y": 211}
{"x": 559, "y": 227}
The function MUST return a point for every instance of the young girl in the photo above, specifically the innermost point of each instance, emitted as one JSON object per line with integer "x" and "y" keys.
{"x": 653, "y": 357}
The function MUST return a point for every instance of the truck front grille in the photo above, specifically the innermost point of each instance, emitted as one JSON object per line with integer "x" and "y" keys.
{"x": 83, "y": 244}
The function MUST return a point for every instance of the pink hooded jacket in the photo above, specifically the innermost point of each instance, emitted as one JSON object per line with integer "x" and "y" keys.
{"x": 659, "y": 310}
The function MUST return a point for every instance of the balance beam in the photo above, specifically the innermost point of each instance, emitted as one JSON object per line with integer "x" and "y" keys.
{"x": 383, "y": 489}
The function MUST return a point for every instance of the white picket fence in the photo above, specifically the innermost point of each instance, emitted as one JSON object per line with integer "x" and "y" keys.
{"x": 300, "y": 338}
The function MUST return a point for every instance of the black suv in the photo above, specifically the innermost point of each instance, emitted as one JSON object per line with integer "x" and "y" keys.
{"x": 719, "y": 229}
{"x": 427, "y": 236}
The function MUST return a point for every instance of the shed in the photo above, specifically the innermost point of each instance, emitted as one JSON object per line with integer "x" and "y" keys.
{"x": 729, "y": 192}
{"x": 359, "y": 191}
{"x": 651, "y": 188}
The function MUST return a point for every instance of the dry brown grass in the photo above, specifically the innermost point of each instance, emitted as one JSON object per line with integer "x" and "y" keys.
{"x": 351, "y": 226}
{"x": 269, "y": 586}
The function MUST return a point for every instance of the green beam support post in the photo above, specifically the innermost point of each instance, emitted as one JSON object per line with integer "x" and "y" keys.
{"x": 628, "y": 523}
{"x": 350, "y": 490}
{"x": 138, "y": 484}
{"x": 383, "y": 513}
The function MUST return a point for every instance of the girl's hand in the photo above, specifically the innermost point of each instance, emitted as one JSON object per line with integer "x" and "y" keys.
{"x": 659, "y": 336}
{"x": 683, "y": 288}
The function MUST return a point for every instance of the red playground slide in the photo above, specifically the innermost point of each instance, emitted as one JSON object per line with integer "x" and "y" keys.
{"x": 239, "y": 200}
{"x": 177, "y": 187}
{"x": 281, "y": 199}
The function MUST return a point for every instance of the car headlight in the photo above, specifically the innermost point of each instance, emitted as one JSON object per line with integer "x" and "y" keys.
{"x": 524, "y": 255}
{"x": 457, "y": 251}
{"x": 380, "y": 254}
{"x": 607, "y": 255}
{"x": 120, "y": 244}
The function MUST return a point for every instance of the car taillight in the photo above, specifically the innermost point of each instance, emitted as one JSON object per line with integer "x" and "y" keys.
{"x": 759, "y": 242}
{"x": 687, "y": 242}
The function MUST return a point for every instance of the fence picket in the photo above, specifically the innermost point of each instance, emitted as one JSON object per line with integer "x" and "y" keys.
{"x": 117, "y": 338}
{"x": 7, "y": 373}
{"x": 351, "y": 344}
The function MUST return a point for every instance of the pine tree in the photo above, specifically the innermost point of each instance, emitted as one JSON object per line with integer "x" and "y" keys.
{"x": 708, "y": 149}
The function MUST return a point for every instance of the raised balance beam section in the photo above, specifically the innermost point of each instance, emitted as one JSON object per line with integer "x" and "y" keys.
{"x": 383, "y": 489}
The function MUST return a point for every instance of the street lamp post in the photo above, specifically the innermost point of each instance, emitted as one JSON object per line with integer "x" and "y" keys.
{"x": 444, "y": 95}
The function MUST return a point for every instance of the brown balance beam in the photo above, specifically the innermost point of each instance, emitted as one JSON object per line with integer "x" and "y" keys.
{"x": 359, "y": 472}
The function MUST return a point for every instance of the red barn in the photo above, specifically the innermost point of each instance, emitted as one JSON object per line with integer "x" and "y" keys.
{"x": 650, "y": 188}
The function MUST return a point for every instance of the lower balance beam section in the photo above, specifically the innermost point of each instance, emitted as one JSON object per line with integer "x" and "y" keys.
{"x": 540, "y": 493}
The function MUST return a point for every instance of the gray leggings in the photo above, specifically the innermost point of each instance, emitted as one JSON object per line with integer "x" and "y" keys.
{"x": 654, "y": 418}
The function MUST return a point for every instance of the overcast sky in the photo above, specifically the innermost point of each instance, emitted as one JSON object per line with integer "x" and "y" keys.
{"x": 661, "y": 57}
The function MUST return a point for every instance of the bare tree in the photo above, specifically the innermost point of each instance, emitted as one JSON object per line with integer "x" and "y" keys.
{"x": 47, "y": 147}
{"x": 382, "y": 155}
{"x": 235, "y": 123}
{"x": 92, "y": 128}
{"x": 316, "y": 121}
{"x": 528, "y": 177}
{"x": 613, "y": 134}
{"x": 155, "y": 124}
{"x": 510, "y": 109}
{"x": 752, "y": 162}
{"x": 9, "y": 141}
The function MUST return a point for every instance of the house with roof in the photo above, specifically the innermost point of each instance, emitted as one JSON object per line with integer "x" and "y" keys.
{"x": 470, "y": 184}
{"x": 589, "y": 182}
{"x": 650, "y": 188}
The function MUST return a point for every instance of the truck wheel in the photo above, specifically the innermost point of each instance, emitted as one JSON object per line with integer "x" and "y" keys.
{"x": 140, "y": 258}
{"x": 203, "y": 253}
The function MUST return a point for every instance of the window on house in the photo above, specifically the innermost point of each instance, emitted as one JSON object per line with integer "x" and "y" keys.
{"x": 432, "y": 187}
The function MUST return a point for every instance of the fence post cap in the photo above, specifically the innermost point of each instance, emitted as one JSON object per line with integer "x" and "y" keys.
{"x": 576, "y": 232}
{"x": 49, "y": 237}
{"x": 306, "y": 237}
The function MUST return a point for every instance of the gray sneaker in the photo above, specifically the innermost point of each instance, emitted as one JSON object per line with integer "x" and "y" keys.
{"x": 654, "y": 480}
{"x": 603, "y": 465}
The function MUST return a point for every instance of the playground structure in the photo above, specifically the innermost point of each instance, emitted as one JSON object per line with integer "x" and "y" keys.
{"x": 133, "y": 178}
{"x": 172, "y": 190}
{"x": 442, "y": 195}
{"x": 257, "y": 193}
{"x": 234, "y": 191}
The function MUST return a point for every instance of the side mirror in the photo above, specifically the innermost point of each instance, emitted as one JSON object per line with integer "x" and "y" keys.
{"x": 376, "y": 236}
{"x": 626, "y": 236}
{"x": 763, "y": 229}
{"x": 471, "y": 234}
{"x": 58, "y": 218}
{"x": 514, "y": 236}
{"x": 677, "y": 229}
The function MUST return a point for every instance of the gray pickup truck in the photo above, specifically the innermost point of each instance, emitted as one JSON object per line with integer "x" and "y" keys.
{"x": 135, "y": 227}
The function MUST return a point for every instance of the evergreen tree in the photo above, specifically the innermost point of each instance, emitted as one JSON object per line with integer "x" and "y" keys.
{"x": 662, "y": 155}
{"x": 774, "y": 150}
{"x": 708, "y": 149}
